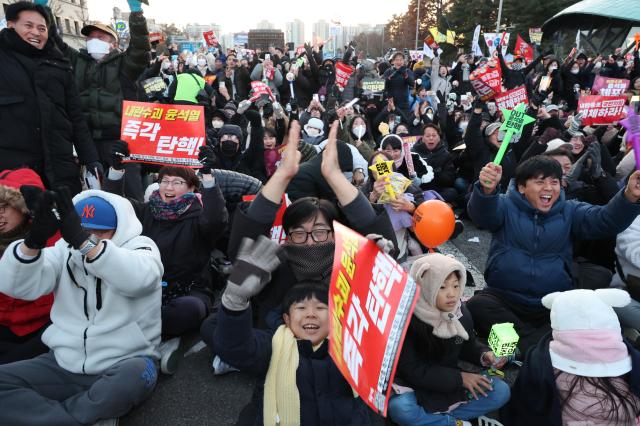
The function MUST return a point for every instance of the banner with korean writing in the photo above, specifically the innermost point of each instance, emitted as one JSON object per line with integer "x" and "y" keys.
{"x": 371, "y": 300}
{"x": 259, "y": 88}
{"x": 210, "y": 38}
{"x": 601, "y": 109}
{"x": 343, "y": 72}
{"x": 373, "y": 84}
{"x": 511, "y": 98}
{"x": 278, "y": 233}
{"x": 487, "y": 80}
{"x": 535, "y": 35}
{"x": 606, "y": 86}
{"x": 163, "y": 134}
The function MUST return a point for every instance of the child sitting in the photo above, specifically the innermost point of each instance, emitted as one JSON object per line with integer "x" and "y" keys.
{"x": 430, "y": 388}
{"x": 582, "y": 373}
{"x": 302, "y": 385}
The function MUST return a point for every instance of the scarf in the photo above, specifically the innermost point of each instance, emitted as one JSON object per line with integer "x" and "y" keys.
{"x": 281, "y": 396}
{"x": 16, "y": 233}
{"x": 445, "y": 324}
{"x": 271, "y": 158}
{"x": 171, "y": 210}
{"x": 311, "y": 263}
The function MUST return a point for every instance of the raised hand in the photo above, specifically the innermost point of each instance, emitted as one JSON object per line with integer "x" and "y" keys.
{"x": 489, "y": 177}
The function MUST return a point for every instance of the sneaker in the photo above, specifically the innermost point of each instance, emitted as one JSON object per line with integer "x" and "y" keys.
{"x": 107, "y": 422}
{"x": 457, "y": 230}
{"x": 169, "y": 355}
{"x": 220, "y": 367}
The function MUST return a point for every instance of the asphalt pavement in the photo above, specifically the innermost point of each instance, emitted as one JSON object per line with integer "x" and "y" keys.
{"x": 195, "y": 397}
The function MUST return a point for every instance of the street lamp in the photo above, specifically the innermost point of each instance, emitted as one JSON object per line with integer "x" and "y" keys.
{"x": 499, "y": 17}
{"x": 418, "y": 22}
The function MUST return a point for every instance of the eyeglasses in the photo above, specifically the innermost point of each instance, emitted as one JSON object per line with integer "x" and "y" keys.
{"x": 173, "y": 183}
{"x": 3, "y": 207}
{"x": 317, "y": 235}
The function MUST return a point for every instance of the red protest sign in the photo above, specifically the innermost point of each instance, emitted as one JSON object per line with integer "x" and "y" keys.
{"x": 606, "y": 86}
{"x": 601, "y": 109}
{"x": 511, "y": 98}
{"x": 163, "y": 134}
{"x": 343, "y": 72}
{"x": 153, "y": 37}
{"x": 523, "y": 49}
{"x": 278, "y": 233}
{"x": 210, "y": 38}
{"x": 371, "y": 299}
{"x": 259, "y": 88}
{"x": 487, "y": 80}
{"x": 431, "y": 42}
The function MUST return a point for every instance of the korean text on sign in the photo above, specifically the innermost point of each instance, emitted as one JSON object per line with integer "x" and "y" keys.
{"x": 371, "y": 299}
{"x": 601, "y": 109}
{"x": 163, "y": 134}
{"x": 511, "y": 98}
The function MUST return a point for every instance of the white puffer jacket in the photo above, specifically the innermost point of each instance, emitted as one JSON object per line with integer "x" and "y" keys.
{"x": 105, "y": 310}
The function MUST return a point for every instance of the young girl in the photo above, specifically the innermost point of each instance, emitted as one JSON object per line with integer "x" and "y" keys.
{"x": 302, "y": 385}
{"x": 583, "y": 373}
{"x": 430, "y": 388}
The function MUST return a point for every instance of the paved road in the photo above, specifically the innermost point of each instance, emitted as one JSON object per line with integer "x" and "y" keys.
{"x": 195, "y": 397}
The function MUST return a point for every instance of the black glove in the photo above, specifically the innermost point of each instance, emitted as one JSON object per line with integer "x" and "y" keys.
{"x": 70, "y": 226}
{"x": 96, "y": 167}
{"x": 44, "y": 224}
{"x": 207, "y": 158}
{"x": 119, "y": 151}
{"x": 441, "y": 97}
{"x": 31, "y": 195}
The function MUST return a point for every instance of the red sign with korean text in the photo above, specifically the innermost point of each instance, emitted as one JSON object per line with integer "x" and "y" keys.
{"x": 163, "y": 134}
{"x": 487, "y": 80}
{"x": 511, "y": 98}
{"x": 210, "y": 38}
{"x": 601, "y": 109}
{"x": 371, "y": 300}
{"x": 523, "y": 49}
{"x": 606, "y": 86}
{"x": 259, "y": 88}
{"x": 343, "y": 72}
{"x": 277, "y": 231}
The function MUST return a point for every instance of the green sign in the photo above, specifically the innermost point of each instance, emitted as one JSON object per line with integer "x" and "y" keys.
{"x": 514, "y": 122}
{"x": 373, "y": 84}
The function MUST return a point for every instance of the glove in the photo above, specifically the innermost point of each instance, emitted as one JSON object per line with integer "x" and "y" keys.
{"x": 135, "y": 5}
{"x": 383, "y": 244}
{"x": 576, "y": 171}
{"x": 596, "y": 160}
{"x": 96, "y": 167}
{"x": 207, "y": 158}
{"x": 41, "y": 2}
{"x": 119, "y": 151}
{"x": 244, "y": 106}
{"x": 251, "y": 272}
{"x": 31, "y": 195}
{"x": 278, "y": 111}
{"x": 44, "y": 224}
{"x": 70, "y": 226}
{"x": 441, "y": 97}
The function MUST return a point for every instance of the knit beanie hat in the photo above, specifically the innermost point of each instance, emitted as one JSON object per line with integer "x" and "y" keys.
{"x": 488, "y": 131}
{"x": 429, "y": 272}
{"x": 587, "y": 340}
{"x": 10, "y": 183}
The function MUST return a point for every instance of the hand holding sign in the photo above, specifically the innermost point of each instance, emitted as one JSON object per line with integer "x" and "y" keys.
{"x": 632, "y": 124}
{"x": 384, "y": 169}
{"x": 514, "y": 122}
{"x": 489, "y": 177}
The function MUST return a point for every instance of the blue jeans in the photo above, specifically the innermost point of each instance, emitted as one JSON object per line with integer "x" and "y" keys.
{"x": 405, "y": 410}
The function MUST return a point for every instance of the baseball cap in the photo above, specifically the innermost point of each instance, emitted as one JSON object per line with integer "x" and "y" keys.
{"x": 551, "y": 107}
{"x": 96, "y": 213}
{"x": 86, "y": 30}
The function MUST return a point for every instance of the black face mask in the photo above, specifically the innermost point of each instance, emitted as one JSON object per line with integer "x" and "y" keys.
{"x": 228, "y": 148}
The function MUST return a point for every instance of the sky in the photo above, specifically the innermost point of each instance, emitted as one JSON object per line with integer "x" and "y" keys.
{"x": 243, "y": 15}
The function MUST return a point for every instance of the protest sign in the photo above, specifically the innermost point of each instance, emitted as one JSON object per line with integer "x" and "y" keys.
{"x": 210, "y": 38}
{"x": 431, "y": 42}
{"x": 495, "y": 40}
{"x": 523, "y": 49}
{"x": 411, "y": 140}
{"x": 511, "y": 98}
{"x": 416, "y": 55}
{"x": 514, "y": 122}
{"x": 373, "y": 84}
{"x": 535, "y": 36}
{"x": 259, "y": 88}
{"x": 598, "y": 109}
{"x": 371, "y": 300}
{"x": 156, "y": 37}
{"x": 153, "y": 86}
{"x": 277, "y": 232}
{"x": 632, "y": 124}
{"x": 606, "y": 86}
{"x": 343, "y": 72}
{"x": 487, "y": 80}
{"x": 163, "y": 134}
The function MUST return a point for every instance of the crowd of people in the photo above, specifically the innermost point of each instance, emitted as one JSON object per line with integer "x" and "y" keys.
{"x": 98, "y": 287}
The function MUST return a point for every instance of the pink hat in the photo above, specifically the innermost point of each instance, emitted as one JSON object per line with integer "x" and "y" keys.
{"x": 587, "y": 340}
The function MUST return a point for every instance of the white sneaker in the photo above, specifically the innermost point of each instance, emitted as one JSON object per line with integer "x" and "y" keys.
{"x": 220, "y": 367}
{"x": 107, "y": 422}
{"x": 169, "y": 355}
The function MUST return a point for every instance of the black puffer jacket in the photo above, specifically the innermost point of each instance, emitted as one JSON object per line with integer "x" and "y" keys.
{"x": 442, "y": 162}
{"x": 40, "y": 116}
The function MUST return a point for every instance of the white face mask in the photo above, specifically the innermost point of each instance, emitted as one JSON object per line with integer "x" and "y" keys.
{"x": 553, "y": 68}
{"x": 312, "y": 131}
{"x": 575, "y": 71}
{"x": 202, "y": 62}
{"x": 359, "y": 131}
{"x": 217, "y": 124}
{"x": 620, "y": 63}
{"x": 97, "y": 48}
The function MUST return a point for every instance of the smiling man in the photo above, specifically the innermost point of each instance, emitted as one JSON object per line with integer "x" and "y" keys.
{"x": 40, "y": 116}
{"x": 531, "y": 253}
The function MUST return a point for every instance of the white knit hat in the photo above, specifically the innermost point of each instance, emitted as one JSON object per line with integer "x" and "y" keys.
{"x": 587, "y": 340}
{"x": 558, "y": 143}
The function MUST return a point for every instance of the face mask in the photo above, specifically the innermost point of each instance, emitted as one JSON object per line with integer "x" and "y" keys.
{"x": 216, "y": 124}
{"x": 202, "y": 62}
{"x": 575, "y": 71}
{"x": 228, "y": 148}
{"x": 553, "y": 68}
{"x": 312, "y": 131}
{"x": 392, "y": 125}
{"x": 620, "y": 63}
{"x": 516, "y": 66}
{"x": 359, "y": 131}
{"x": 97, "y": 48}
{"x": 430, "y": 115}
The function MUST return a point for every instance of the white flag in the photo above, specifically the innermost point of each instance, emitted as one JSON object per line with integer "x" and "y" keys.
{"x": 427, "y": 51}
{"x": 475, "y": 46}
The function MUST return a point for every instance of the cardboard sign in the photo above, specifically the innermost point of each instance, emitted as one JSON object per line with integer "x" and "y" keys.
{"x": 371, "y": 300}
{"x": 535, "y": 35}
{"x": 523, "y": 49}
{"x": 163, "y": 134}
{"x": 487, "y": 80}
{"x": 601, "y": 109}
{"x": 154, "y": 85}
{"x": 343, "y": 73}
{"x": 259, "y": 88}
{"x": 373, "y": 84}
{"x": 277, "y": 232}
{"x": 210, "y": 38}
{"x": 416, "y": 55}
{"x": 606, "y": 86}
{"x": 511, "y": 98}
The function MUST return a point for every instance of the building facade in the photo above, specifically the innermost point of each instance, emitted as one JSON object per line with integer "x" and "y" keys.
{"x": 321, "y": 30}
{"x": 295, "y": 32}
{"x": 263, "y": 39}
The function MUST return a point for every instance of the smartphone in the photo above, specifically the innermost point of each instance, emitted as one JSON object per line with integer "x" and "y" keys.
{"x": 267, "y": 57}
{"x": 316, "y": 97}
{"x": 221, "y": 84}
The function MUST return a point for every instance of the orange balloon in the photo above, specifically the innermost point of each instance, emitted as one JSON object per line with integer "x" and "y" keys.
{"x": 433, "y": 222}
